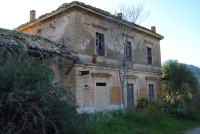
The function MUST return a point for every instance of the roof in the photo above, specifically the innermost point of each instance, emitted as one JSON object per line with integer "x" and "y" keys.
{"x": 95, "y": 10}
{"x": 34, "y": 44}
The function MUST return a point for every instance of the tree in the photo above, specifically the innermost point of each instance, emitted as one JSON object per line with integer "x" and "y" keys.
{"x": 178, "y": 79}
{"x": 29, "y": 100}
{"x": 121, "y": 29}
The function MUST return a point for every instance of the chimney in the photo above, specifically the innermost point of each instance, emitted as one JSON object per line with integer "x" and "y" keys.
{"x": 119, "y": 15}
{"x": 32, "y": 15}
{"x": 153, "y": 29}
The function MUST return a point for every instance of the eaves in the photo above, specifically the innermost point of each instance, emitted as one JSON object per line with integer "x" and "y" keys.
{"x": 89, "y": 8}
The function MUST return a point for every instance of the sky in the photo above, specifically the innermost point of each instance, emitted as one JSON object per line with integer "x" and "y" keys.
{"x": 177, "y": 20}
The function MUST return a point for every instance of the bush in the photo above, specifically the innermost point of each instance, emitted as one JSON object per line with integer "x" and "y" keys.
{"x": 146, "y": 105}
{"x": 195, "y": 103}
{"x": 29, "y": 100}
{"x": 165, "y": 107}
{"x": 186, "y": 115}
{"x": 131, "y": 121}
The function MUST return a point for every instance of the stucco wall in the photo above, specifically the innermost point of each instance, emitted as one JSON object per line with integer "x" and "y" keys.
{"x": 87, "y": 98}
{"x": 75, "y": 30}
{"x": 88, "y": 24}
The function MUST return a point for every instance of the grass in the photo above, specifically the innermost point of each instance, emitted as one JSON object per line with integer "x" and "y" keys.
{"x": 134, "y": 122}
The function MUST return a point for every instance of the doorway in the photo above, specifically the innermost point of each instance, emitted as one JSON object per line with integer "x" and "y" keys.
{"x": 101, "y": 96}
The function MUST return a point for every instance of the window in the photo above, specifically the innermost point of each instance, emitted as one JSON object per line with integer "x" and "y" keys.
{"x": 83, "y": 72}
{"x": 128, "y": 51}
{"x": 100, "y": 49}
{"x": 100, "y": 84}
{"x": 149, "y": 55}
{"x": 130, "y": 102}
{"x": 151, "y": 93}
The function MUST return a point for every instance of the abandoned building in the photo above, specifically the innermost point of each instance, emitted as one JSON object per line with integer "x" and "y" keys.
{"x": 34, "y": 45}
{"x": 86, "y": 32}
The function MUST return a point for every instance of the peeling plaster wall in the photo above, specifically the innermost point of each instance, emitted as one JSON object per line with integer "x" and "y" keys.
{"x": 86, "y": 26}
{"x": 76, "y": 30}
{"x": 59, "y": 28}
{"x": 87, "y": 98}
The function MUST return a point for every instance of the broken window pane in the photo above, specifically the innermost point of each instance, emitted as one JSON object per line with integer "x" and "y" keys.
{"x": 149, "y": 55}
{"x": 128, "y": 51}
{"x": 100, "y": 49}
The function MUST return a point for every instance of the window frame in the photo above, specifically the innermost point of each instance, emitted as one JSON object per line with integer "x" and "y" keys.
{"x": 130, "y": 87}
{"x": 100, "y": 44}
{"x": 151, "y": 91}
{"x": 149, "y": 55}
{"x": 128, "y": 51}
{"x": 85, "y": 72}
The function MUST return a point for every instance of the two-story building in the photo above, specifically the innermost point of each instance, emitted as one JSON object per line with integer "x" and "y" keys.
{"x": 88, "y": 32}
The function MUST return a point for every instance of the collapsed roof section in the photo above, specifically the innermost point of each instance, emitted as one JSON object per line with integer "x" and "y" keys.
{"x": 34, "y": 44}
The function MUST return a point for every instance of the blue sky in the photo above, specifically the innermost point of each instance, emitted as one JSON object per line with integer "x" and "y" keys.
{"x": 177, "y": 20}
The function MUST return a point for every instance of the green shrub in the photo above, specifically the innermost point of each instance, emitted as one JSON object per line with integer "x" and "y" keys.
{"x": 144, "y": 104}
{"x": 166, "y": 107}
{"x": 130, "y": 121}
{"x": 186, "y": 115}
{"x": 194, "y": 104}
{"x": 29, "y": 100}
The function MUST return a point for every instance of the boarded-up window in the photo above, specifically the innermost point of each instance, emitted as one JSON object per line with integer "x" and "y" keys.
{"x": 115, "y": 95}
{"x": 149, "y": 55}
{"x": 151, "y": 92}
{"x": 128, "y": 51}
{"x": 100, "y": 48}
